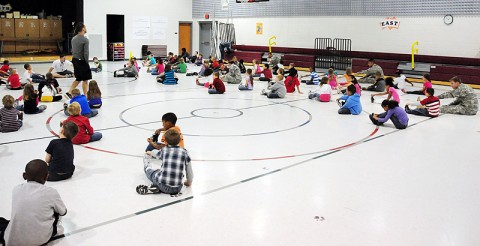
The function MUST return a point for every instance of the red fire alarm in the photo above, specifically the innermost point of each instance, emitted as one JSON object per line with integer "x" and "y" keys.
{"x": 207, "y": 16}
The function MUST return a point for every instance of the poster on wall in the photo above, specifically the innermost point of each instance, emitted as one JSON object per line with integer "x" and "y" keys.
{"x": 390, "y": 23}
{"x": 141, "y": 27}
{"x": 224, "y": 4}
{"x": 259, "y": 29}
{"x": 159, "y": 27}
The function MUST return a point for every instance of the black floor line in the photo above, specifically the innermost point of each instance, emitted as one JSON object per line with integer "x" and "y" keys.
{"x": 228, "y": 186}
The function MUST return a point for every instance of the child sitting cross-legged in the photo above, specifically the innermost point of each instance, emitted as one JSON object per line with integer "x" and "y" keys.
{"x": 175, "y": 160}
{"x": 392, "y": 112}
{"x": 85, "y": 133}
{"x": 323, "y": 93}
{"x": 13, "y": 80}
{"x": 248, "y": 86}
{"x": 181, "y": 67}
{"x": 94, "y": 95}
{"x": 60, "y": 153}
{"x": 217, "y": 87}
{"x": 168, "y": 77}
{"x": 49, "y": 90}
{"x": 10, "y": 117}
{"x": 350, "y": 103}
{"x": 168, "y": 120}
{"x": 291, "y": 82}
{"x": 429, "y": 107}
{"x": 36, "y": 209}
{"x": 83, "y": 102}
{"x": 30, "y": 101}
{"x": 277, "y": 89}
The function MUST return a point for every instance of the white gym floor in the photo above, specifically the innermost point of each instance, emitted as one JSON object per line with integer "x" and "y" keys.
{"x": 267, "y": 172}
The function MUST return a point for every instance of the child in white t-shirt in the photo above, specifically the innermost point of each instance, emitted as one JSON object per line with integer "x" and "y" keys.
{"x": 323, "y": 93}
{"x": 36, "y": 209}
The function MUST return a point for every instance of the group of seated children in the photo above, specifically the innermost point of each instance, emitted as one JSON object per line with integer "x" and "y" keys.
{"x": 175, "y": 158}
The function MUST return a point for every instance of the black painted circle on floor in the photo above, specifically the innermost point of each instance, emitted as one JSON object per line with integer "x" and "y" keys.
{"x": 269, "y": 103}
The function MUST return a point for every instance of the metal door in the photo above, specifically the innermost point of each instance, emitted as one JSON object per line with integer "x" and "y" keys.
{"x": 205, "y": 47}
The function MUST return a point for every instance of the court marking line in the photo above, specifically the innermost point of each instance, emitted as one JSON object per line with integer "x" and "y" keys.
{"x": 237, "y": 135}
{"x": 366, "y": 140}
{"x": 237, "y": 160}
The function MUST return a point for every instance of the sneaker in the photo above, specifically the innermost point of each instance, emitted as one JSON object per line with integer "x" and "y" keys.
{"x": 372, "y": 99}
{"x": 68, "y": 95}
{"x": 407, "y": 108}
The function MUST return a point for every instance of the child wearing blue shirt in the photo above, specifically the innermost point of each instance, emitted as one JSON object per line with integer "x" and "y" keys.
{"x": 82, "y": 100}
{"x": 314, "y": 79}
{"x": 350, "y": 103}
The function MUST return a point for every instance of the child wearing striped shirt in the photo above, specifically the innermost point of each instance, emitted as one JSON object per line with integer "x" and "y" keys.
{"x": 429, "y": 107}
{"x": 314, "y": 79}
{"x": 10, "y": 117}
{"x": 175, "y": 159}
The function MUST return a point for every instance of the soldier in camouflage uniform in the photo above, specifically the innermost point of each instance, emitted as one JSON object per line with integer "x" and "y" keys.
{"x": 370, "y": 73}
{"x": 233, "y": 76}
{"x": 466, "y": 102}
{"x": 273, "y": 61}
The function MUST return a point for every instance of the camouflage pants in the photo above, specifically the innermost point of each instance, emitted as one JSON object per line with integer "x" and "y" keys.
{"x": 457, "y": 109}
{"x": 367, "y": 80}
{"x": 231, "y": 80}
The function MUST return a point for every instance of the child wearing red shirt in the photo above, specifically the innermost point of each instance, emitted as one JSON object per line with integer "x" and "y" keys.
{"x": 14, "y": 80}
{"x": 217, "y": 87}
{"x": 4, "y": 69}
{"x": 267, "y": 74}
{"x": 85, "y": 133}
{"x": 292, "y": 81}
{"x": 429, "y": 107}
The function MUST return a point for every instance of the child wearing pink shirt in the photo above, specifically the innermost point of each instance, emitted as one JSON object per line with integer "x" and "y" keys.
{"x": 389, "y": 90}
{"x": 426, "y": 84}
{"x": 257, "y": 68}
{"x": 332, "y": 79}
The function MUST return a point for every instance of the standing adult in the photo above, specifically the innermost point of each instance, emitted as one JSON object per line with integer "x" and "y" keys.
{"x": 225, "y": 47}
{"x": 80, "y": 59}
{"x": 466, "y": 101}
{"x": 59, "y": 68}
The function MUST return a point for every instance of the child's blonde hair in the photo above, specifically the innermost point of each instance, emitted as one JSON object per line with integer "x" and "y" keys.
{"x": 76, "y": 92}
{"x": 280, "y": 77}
{"x": 349, "y": 71}
{"x": 182, "y": 60}
{"x": 8, "y": 101}
{"x": 74, "y": 109}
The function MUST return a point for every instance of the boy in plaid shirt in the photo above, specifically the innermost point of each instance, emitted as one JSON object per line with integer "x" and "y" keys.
{"x": 175, "y": 159}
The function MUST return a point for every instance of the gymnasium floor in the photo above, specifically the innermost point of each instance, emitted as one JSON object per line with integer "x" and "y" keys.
{"x": 267, "y": 172}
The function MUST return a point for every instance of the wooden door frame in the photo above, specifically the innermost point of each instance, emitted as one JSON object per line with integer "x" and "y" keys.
{"x": 191, "y": 33}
